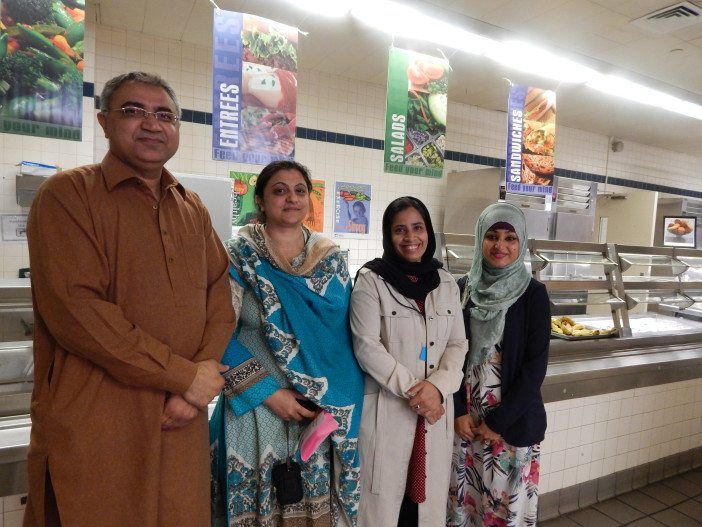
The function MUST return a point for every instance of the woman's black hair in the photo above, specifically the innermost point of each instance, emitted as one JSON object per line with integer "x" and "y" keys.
{"x": 270, "y": 170}
{"x": 398, "y": 205}
{"x": 359, "y": 205}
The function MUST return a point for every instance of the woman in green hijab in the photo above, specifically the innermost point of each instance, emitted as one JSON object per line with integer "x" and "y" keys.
{"x": 500, "y": 416}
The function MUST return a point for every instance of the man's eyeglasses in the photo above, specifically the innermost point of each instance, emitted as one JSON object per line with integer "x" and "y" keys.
{"x": 134, "y": 112}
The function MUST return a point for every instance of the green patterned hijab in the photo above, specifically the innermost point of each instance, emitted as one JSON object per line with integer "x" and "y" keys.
{"x": 492, "y": 291}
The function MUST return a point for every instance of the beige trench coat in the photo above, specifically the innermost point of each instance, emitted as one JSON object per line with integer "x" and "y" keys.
{"x": 388, "y": 337}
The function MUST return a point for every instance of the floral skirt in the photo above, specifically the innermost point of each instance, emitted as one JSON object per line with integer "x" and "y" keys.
{"x": 493, "y": 484}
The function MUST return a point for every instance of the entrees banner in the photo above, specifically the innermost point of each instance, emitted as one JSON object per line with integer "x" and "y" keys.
{"x": 415, "y": 120}
{"x": 254, "y": 70}
{"x": 531, "y": 129}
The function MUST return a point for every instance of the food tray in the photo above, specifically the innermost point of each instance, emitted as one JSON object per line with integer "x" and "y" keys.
{"x": 555, "y": 335}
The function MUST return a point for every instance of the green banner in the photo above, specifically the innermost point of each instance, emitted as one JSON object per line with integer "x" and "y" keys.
{"x": 42, "y": 52}
{"x": 415, "y": 119}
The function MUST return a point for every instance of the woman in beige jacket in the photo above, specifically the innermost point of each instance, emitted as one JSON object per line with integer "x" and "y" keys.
{"x": 409, "y": 338}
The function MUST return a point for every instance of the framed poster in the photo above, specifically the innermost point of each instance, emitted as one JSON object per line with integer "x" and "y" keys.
{"x": 244, "y": 209}
{"x": 315, "y": 221}
{"x": 680, "y": 231}
{"x": 352, "y": 210}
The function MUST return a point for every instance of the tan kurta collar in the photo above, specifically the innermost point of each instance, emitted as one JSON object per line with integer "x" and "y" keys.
{"x": 115, "y": 171}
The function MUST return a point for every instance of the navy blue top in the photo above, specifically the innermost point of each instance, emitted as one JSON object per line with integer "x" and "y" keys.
{"x": 520, "y": 418}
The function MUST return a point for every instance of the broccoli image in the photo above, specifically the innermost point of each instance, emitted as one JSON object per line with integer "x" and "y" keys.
{"x": 19, "y": 72}
{"x": 29, "y": 11}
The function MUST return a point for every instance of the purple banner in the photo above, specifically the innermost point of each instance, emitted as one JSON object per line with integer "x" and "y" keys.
{"x": 531, "y": 137}
{"x": 254, "y": 65}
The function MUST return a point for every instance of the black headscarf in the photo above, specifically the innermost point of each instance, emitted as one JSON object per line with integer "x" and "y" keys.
{"x": 394, "y": 268}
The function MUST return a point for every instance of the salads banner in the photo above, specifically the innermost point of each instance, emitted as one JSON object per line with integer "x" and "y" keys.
{"x": 415, "y": 119}
{"x": 315, "y": 221}
{"x": 352, "y": 209}
{"x": 243, "y": 204}
{"x": 531, "y": 129}
{"x": 41, "y": 68}
{"x": 254, "y": 70}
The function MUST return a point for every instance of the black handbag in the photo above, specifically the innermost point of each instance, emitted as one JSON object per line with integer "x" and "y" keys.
{"x": 286, "y": 477}
{"x": 287, "y": 481}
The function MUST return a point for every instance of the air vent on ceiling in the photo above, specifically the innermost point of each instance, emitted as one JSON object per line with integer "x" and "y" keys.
{"x": 670, "y": 18}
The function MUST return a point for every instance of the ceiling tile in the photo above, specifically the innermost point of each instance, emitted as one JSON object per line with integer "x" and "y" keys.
{"x": 168, "y": 18}
{"x": 126, "y": 15}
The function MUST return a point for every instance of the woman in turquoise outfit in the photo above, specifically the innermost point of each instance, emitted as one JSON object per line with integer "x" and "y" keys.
{"x": 290, "y": 357}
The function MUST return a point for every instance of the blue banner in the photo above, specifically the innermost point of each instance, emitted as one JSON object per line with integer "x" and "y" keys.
{"x": 254, "y": 89}
{"x": 531, "y": 137}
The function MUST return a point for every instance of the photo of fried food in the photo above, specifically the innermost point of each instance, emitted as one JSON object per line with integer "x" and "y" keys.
{"x": 540, "y": 105}
{"x": 528, "y": 177}
{"x": 541, "y": 165}
{"x": 539, "y": 138}
{"x": 679, "y": 227}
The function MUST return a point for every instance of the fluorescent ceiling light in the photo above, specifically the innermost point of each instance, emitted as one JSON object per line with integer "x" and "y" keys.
{"x": 633, "y": 91}
{"x": 328, "y": 8}
{"x": 398, "y": 19}
{"x": 531, "y": 59}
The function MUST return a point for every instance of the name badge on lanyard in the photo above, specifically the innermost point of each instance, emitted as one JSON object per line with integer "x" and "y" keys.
{"x": 423, "y": 354}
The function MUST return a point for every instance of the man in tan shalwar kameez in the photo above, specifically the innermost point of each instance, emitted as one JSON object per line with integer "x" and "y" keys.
{"x": 132, "y": 315}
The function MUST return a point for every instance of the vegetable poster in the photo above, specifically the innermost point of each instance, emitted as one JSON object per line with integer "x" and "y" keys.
{"x": 243, "y": 204}
{"x": 531, "y": 128}
{"x": 315, "y": 220}
{"x": 352, "y": 209}
{"x": 415, "y": 120}
{"x": 41, "y": 67}
{"x": 254, "y": 69}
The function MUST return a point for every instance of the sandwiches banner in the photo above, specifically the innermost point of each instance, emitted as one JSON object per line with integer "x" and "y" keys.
{"x": 415, "y": 119}
{"x": 41, "y": 68}
{"x": 254, "y": 70}
{"x": 531, "y": 129}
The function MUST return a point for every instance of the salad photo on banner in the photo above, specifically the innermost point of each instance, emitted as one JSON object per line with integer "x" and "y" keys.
{"x": 254, "y": 71}
{"x": 315, "y": 220}
{"x": 531, "y": 129}
{"x": 415, "y": 119}
{"x": 352, "y": 209}
{"x": 41, "y": 67}
{"x": 243, "y": 205}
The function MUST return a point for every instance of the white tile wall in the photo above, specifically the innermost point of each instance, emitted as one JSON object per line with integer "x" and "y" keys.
{"x": 591, "y": 437}
{"x": 587, "y": 438}
{"x": 12, "y": 510}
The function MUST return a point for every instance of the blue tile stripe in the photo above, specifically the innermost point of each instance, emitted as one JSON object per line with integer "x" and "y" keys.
{"x": 194, "y": 116}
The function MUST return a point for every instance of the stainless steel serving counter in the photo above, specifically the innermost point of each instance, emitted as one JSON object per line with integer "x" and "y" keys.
{"x": 662, "y": 349}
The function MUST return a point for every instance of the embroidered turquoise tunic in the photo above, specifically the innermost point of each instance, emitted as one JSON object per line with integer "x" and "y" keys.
{"x": 292, "y": 333}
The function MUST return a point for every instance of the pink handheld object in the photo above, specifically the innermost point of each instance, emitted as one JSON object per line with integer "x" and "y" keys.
{"x": 316, "y": 432}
